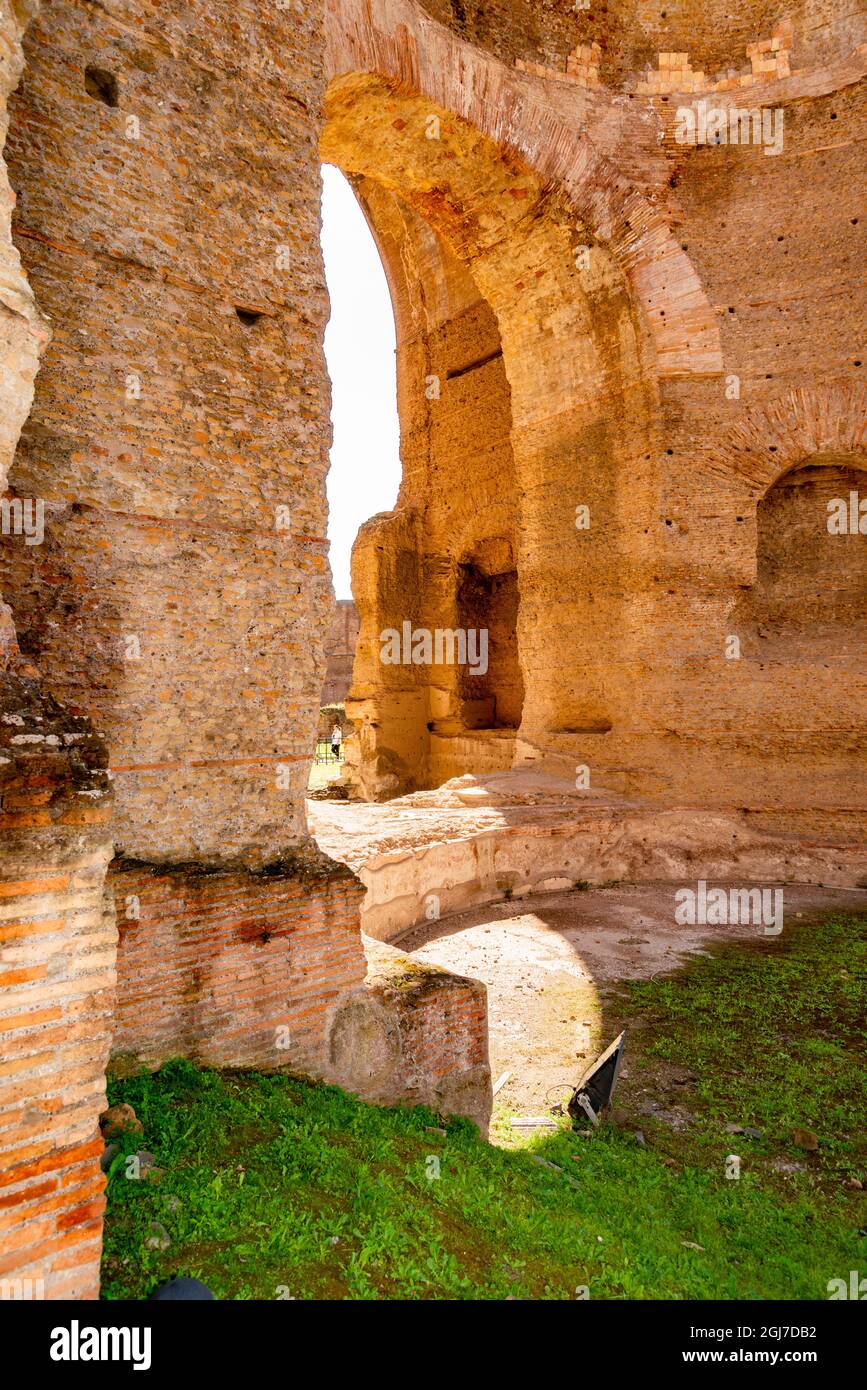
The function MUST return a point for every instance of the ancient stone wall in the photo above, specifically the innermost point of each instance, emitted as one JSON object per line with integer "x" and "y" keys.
{"x": 340, "y": 652}
{"x": 665, "y": 399}
{"x": 630, "y": 379}
{"x": 630, "y": 34}
{"x": 418, "y": 1035}
{"x": 235, "y": 968}
{"x": 181, "y": 448}
{"x": 57, "y": 976}
{"x": 57, "y": 941}
{"x": 177, "y": 598}
{"x": 168, "y": 180}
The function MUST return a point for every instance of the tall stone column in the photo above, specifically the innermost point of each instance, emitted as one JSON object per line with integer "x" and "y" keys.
{"x": 57, "y": 936}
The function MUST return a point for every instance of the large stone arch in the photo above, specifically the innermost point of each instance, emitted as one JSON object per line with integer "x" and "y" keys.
{"x": 397, "y": 39}
{"x": 580, "y": 373}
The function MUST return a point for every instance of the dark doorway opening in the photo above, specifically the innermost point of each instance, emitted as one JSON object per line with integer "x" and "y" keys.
{"x": 489, "y": 602}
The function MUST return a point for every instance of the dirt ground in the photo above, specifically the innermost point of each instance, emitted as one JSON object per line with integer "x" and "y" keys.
{"x": 323, "y": 773}
{"x": 547, "y": 962}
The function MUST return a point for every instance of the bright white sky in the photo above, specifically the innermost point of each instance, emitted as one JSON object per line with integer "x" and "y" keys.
{"x": 359, "y": 348}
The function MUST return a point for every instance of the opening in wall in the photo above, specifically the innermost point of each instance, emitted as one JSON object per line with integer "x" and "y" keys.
{"x": 810, "y": 592}
{"x": 492, "y": 694}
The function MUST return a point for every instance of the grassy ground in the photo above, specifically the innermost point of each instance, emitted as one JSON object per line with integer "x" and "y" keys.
{"x": 321, "y": 773}
{"x": 272, "y": 1188}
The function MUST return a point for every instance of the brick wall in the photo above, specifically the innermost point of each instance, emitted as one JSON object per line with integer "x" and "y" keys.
{"x": 182, "y": 595}
{"x": 340, "y": 652}
{"x": 57, "y": 957}
{"x": 711, "y": 341}
{"x": 629, "y": 33}
{"x": 165, "y": 158}
{"x": 415, "y": 1034}
{"x": 233, "y": 967}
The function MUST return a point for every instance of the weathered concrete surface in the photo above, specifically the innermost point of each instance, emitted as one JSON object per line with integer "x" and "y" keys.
{"x": 547, "y": 963}
{"x": 668, "y": 336}
{"x": 485, "y": 839}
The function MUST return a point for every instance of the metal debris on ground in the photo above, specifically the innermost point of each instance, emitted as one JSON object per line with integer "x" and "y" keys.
{"x": 593, "y": 1093}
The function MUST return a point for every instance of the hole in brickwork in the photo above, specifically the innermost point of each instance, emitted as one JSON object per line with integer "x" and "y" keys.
{"x": 492, "y": 698}
{"x": 248, "y": 316}
{"x": 101, "y": 85}
{"x": 810, "y": 582}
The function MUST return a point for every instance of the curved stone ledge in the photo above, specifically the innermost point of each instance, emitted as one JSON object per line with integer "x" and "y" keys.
{"x": 419, "y": 860}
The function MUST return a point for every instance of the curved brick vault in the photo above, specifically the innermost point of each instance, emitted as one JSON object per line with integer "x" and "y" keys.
{"x": 400, "y": 42}
{"x": 580, "y": 390}
{"x": 582, "y": 608}
{"x": 161, "y": 644}
{"x": 772, "y": 438}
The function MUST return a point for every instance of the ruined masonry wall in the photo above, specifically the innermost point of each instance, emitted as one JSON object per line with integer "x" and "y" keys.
{"x": 169, "y": 629}
{"x": 56, "y": 941}
{"x": 234, "y": 968}
{"x": 181, "y": 450}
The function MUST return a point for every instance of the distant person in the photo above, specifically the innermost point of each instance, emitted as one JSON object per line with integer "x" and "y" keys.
{"x": 336, "y": 740}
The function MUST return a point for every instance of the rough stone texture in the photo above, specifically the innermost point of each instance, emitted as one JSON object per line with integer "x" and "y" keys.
{"x": 23, "y": 330}
{"x": 419, "y": 1035}
{"x": 630, "y": 34}
{"x": 492, "y": 838}
{"x": 57, "y": 944}
{"x": 151, "y": 605}
{"x": 668, "y": 387}
{"x": 234, "y": 968}
{"x": 57, "y": 977}
{"x": 339, "y": 652}
{"x": 585, "y": 290}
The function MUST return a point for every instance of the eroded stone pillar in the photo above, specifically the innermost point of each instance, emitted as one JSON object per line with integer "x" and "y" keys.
{"x": 57, "y": 939}
{"x": 168, "y": 178}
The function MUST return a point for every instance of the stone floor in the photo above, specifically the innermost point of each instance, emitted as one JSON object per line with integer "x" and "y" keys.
{"x": 548, "y": 895}
{"x": 478, "y": 840}
{"x": 547, "y": 961}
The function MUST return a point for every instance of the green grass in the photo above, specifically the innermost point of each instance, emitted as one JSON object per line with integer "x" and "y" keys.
{"x": 273, "y": 1187}
{"x": 776, "y": 1035}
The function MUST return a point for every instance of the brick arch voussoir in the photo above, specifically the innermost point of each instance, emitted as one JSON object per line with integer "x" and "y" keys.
{"x": 424, "y": 58}
{"x": 771, "y": 439}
